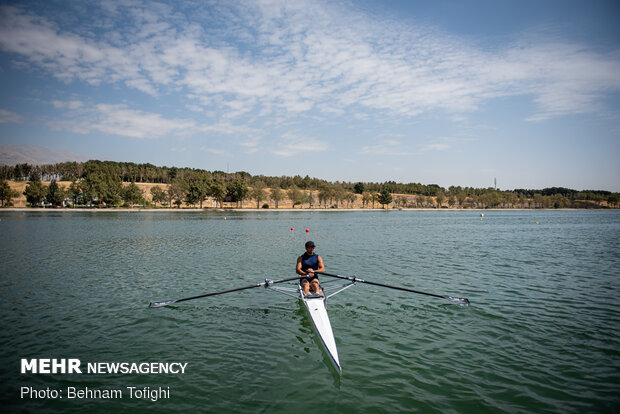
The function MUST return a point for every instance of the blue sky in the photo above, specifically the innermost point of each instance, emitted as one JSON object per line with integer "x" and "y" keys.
{"x": 437, "y": 92}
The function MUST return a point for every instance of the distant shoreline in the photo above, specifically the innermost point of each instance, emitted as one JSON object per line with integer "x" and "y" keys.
{"x": 272, "y": 210}
{"x": 353, "y": 202}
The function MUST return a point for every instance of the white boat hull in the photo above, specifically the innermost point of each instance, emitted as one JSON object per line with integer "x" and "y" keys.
{"x": 320, "y": 320}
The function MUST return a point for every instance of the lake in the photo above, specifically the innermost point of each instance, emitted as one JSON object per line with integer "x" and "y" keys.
{"x": 542, "y": 333}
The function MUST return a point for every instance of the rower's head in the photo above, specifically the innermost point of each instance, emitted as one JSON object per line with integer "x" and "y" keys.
{"x": 310, "y": 246}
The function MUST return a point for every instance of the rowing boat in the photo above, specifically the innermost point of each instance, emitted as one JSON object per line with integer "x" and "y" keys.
{"x": 315, "y": 304}
{"x": 316, "y": 308}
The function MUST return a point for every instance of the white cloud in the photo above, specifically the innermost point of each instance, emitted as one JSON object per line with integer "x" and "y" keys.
{"x": 71, "y": 105}
{"x": 142, "y": 85}
{"x": 194, "y": 108}
{"x": 384, "y": 147}
{"x": 119, "y": 120}
{"x": 9, "y": 117}
{"x": 291, "y": 144}
{"x": 226, "y": 128}
{"x": 435, "y": 147}
{"x": 216, "y": 151}
{"x": 123, "y": 121}
{"x": 66, "y": 55}
{"x": 393, "y": 147}
{"x": 283, "y": 60}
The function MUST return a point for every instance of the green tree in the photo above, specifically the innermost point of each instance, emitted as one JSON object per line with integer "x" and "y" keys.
{"x": 74, "y": 191}
{"x": 401, "y": 201}
{"x": 495, "y": 199}
{"x": 359, "y": 188}
{"x": 323, "y": 196}
{"x": 238, "y": 191}
{"x": 35, "y": 192}
{"x": 339, "y": 195}
{"x": 177, "y": 191}
{"x": 326, "y": 194}
{"x": 308, "y": 198}
{"x": 276, "y": 195}
{"x": 258, "y": 193}
{"x": 366, "y": 199}
{"x": 22, "y": 171}
{"x": 294, "y": 195}
{"x": 385, "y": 197}
{"x": 440, "y": 199}
{"x": 350, "y": 199}
{"x": 217, "y": 190}
{"x": 559, "y": 201}
{"x": 460, "y": 197}
{"x": 102, "y": 184}
{"x": 158, "y": 195}
{"x": 6, "y": 193}
{"x": 197, "y": 192}
{"x": 35, "y": 173}
{"x": 420, "y": 200}
{"x": 133, "y": 195}
{"x": 55, "y": 195}
{"x": 113, "y": 191}
{"x": 93, "y": 188}
{"x": 452, "y": 201}
{"x": 169, "y": 195}
{"x": 374, "y": 197}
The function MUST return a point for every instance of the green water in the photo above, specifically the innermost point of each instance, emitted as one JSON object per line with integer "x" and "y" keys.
{"x": 542, "y": 333}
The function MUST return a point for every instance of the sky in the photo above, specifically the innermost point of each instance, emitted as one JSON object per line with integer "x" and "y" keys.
{"x": 433, "y": 92}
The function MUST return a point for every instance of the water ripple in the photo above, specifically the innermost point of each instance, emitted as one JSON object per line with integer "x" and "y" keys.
{"x": 542, "y": 333}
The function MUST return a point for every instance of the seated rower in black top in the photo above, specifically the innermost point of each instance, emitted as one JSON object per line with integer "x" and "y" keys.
{"x": 307, "y": 264}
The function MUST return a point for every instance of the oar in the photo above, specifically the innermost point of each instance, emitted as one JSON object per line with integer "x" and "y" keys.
{"x": 266, "y": 283}
{"x": 461, "y": 301}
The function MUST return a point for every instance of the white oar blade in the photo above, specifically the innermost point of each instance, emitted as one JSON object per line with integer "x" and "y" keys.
{"x": 160, "y": 304}
{"x": 460, "y": 301}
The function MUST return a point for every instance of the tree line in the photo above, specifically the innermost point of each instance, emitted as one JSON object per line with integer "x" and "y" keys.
{"x": 110, "y": 183}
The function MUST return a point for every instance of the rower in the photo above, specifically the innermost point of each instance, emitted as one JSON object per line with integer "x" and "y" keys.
{"x": 307, "y": 264}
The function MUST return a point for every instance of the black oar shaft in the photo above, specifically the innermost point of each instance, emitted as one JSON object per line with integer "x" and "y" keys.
{"x": 266, "y": 282}
{"x": 402, "y": 288}
{"x": 222, "y": 292}
{"x": 355, "y": 279}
